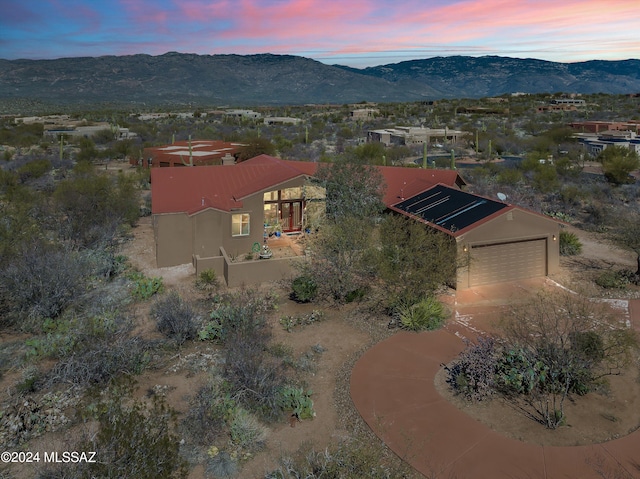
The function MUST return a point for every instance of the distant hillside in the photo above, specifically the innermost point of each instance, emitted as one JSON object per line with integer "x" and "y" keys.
{"x": 471, "y": 77}
{"x": 176, "y": 78}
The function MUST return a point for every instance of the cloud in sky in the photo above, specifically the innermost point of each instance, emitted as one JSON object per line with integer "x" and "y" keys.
{"x": 357, "y": 32}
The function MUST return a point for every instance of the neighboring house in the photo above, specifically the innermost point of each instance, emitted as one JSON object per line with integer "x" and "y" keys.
{"x": 623, "y": 139}
{"x": 189, "y": 153}
{"x": 500, "y": 242}
{"x": 205, "y": 215}
{"x": 603, "y": 126}
{"x": 406, "y": 135}
{"x": 247, "y": 114}
{"x": 363, "y": 113}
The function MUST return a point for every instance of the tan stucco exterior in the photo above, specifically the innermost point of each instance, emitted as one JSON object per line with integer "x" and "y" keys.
{"x": 180, "y": 236}
{"x": 514, "y": 225}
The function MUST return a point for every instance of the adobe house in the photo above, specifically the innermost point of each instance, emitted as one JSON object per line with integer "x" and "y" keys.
{"x": 198, "y": 210}
{"x": 206, "y": 215}
{"x": 500, "y": 242}
{"x": 188, "y": 153}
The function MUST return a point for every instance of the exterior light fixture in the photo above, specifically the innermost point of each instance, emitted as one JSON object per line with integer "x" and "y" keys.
{"x": 465, "y": 248}
{"x": 554, "y": 237}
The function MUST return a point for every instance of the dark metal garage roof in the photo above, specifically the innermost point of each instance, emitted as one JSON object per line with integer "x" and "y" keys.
{"x": 449, "y": 208}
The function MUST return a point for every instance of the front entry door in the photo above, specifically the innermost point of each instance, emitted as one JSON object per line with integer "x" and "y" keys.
{"x": 291, "y": 216}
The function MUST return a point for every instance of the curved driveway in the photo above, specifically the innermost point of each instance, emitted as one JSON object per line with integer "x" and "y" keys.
{"x": 392, "y": 386}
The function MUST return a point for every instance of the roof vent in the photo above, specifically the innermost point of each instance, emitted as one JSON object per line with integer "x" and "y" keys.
{"x": 228, "y": 160}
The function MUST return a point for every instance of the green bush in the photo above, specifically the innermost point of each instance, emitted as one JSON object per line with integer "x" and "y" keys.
{"x": 304, "y": 288}
{"x": 207, "y": 280}
{"x": 509, "y": 176}
{"x": 34, "y": 169}
{"x": 612, "y": 279}
{"x": 143, "y": 287}
{"x": 570, "y": 244}
{"x": 237, "y": 313}
{"x": 296, "y": 400}
{"x": 427, "y": 314}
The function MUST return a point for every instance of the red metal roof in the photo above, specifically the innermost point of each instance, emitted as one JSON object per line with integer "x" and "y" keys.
{"x": 404, "y": 183}
{"x": 224, "y": 187}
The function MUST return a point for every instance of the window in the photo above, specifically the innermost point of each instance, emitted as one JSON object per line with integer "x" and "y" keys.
{"x": 240, "y": 225}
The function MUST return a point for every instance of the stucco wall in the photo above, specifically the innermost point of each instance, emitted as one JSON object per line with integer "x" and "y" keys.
{"x": 174, "y": 237}
{"x": 514, "y": 225}
{"x": 248, "y": 272}
{"x": 241, "y": 245}
{"x": 208, "y": 232}
{"x": 180, "y": 236}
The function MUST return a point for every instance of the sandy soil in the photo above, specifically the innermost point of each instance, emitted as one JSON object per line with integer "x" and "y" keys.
{"x": 179, "y": 376}
{"x": 337, "y": 337}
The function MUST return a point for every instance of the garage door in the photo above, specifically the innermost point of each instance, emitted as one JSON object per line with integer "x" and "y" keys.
{"x": 498, "y": 263}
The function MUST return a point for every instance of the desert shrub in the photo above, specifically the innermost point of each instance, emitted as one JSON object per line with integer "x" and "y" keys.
{"x": 100, "y": 361}
{"x": 34, "y": 169}
{"x": 94, "y": 205}
{"x": 426, "y": 314}
{"x": 509, "y": 176}
{"x": 304, "y": 288}
{"x": 290, "y": 322}
{"x": 135, "y": 437}
{"x": 207, "y": 280}
{"x": 25, "y": 417}
{"x": 235, "y": 313}
{"x": 357, "y": 294}
{"x": 571, "y": 195}
{"x": 246, "y": 430}
{"x": 349, "y": 460}
{"x": 221, "y": 465}
{"x": 254, "y": 376}
{"x": 556, "y": 345}
{"x": 142, "y": 287}
{"x": 614, "y": 279}
{"x": 570, "y": 244}
{"x": 596, "y": 216}
{"x": 472, "y": 374}
{"x": 41, "y": 281}
{"x": 175, "y": 318}
{"x": 210, "y": 411}
{"x": 588, "y": 344}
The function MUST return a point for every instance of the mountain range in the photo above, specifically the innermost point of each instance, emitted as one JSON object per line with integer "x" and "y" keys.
{"x": 266, "y": 79}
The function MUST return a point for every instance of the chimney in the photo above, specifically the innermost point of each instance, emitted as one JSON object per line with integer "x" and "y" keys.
{"x": 228, "y": 160}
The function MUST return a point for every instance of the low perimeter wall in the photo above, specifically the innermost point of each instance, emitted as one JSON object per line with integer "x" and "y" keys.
{"x": 247, "y": 272}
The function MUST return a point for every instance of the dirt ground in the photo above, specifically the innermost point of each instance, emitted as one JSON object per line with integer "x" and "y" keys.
{"x": 337, "y": 337}
{"x": 610, "y": 414}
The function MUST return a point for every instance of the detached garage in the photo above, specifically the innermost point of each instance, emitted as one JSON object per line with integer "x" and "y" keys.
{"x": 497, "y": 242}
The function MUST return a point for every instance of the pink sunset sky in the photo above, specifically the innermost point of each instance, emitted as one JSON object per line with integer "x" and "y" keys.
{"x": 357, "y": 33}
